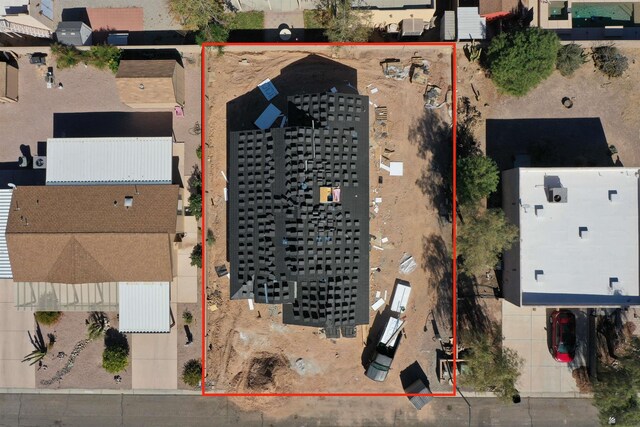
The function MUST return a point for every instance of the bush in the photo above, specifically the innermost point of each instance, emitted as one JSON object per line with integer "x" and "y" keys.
{"x": 609, "y": 60}
{"x": 115, "y": 357}
{"x": 199, "y": 151}
{"x": 104, "y": 56}
{"x": 196, "y": 256}
{"x": 192, "y": 372}
{"x": 570, "y": 58}
{"x": 66, "y": 56}
{"x": 482, "y": 239}
{"x": 478, "y": 177}
{"x": 213, "y": 33}
{"x": 48, "y": 317}
{"x": 520, "y": 60}
{"x": 211, "y": 239}
{"x": 491, "y": 367}
{"x": 187, "y": 317}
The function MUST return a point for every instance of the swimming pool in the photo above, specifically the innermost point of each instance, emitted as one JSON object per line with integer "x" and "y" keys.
{"x": 604, "y": 14}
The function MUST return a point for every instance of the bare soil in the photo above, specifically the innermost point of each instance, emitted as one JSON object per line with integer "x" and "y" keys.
{"x": 252, "y": 351}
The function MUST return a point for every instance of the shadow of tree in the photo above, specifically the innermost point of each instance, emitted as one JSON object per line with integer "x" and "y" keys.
{"x": 471, "y": 314}
{"x": 432, "y": 137}
{"x": 436, "y": 259}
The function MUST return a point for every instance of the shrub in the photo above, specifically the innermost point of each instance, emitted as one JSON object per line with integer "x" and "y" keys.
{"x": 481, "y": 240}
{"x": 609, "y": 60}
{"x": 570, "y": 58}
{"x": 187, "y": 317}
{"x": 104, "y": 56}
{"x": 115, "y": 356}
{"x": 212, "y": 33}
{"x": 66, "y": 56}
{"x": 192, "y": 372}
{"x": 48, "y": 317}
{"x": 195, "y": 205}
{"x": 520, "y": 60}
{"x": 199, "y": 151}
{"x": 478, "y": 177}
{"x": 211, "y": 239}
{"x": 97, "y": 324}
{"x": 196, "y": 256}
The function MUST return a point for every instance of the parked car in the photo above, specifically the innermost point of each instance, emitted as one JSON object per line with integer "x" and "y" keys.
{"x": 388, "y": 343}
{"x": 563, "y": 335}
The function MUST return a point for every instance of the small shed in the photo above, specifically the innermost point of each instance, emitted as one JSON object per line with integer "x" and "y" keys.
{"x": 74, "y": 33}
{"x": 151, "y": 83}
{"x": 8, "y": 82}
{"x": 471, "y": 26}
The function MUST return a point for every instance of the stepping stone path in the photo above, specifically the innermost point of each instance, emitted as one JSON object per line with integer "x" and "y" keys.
{"x": 72, "y": 358}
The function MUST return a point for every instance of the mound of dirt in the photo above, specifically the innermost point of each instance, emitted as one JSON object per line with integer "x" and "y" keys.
{"x": 264, "y": 370}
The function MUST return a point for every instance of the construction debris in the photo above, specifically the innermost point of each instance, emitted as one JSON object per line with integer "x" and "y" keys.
{"x": 393, "y": 69}
{"x": 419, "y": 70}
{"x": 432, "y": 96}
{"x": 381, "y": 113}
{"x": 376, "y": 305}
{"x": 407, "y": 264}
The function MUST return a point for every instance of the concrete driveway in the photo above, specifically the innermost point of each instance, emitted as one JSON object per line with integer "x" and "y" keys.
{"x": 524, "y": 329}
{"x": 14, "y": 341}
{"x": 154, "y": 359}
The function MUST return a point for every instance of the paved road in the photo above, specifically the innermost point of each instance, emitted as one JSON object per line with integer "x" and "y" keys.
{"x": 166, "y": 410}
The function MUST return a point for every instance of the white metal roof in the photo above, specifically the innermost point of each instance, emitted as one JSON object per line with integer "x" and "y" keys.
{"x": 5, "y": 206}
{"x": 586, "y": 246}
{"x": 471, "y": 26}
{"x": 144, "y": 306}
{"x": 108, "y": 161}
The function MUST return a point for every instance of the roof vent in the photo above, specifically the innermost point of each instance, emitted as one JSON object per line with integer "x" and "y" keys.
{"x": 583, "y": 232}
{"x": 558, "y": 195}
{"x": 614, "y": 196}
{"x": 539, "y": 276}
{"x": 141, "y": 86}
{"x": 128, "y": 201}
{"x": 539, "y": 210}
{"x": 613, "y": 282}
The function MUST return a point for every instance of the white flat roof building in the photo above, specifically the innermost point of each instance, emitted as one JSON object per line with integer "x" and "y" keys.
{"x": 579, "y": 236}
{"x": 109, "y": 161}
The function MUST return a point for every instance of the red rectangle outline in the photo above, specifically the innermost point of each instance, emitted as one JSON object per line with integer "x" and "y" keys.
{"x": 203, "y": 127}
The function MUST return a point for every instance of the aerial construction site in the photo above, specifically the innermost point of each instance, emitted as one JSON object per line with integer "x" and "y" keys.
{"x": 328, "y": 219}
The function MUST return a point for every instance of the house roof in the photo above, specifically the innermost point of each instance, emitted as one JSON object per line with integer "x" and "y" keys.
{"x": 86, "y": 234}
{"x": 116, "y": 18}
{"x": 93, "y": 209}
{"x": 488, "y": 7}
{"x": 585, "y": 246}
{"x": 147, "y": 81}
{"x": 109, "y": 161}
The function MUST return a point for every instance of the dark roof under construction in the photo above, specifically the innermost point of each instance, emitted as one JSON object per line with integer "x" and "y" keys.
{"x": 286, "y": 246}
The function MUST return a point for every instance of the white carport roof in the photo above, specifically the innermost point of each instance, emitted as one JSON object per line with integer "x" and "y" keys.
{"x": 109, "y": 161}
{"x": 144, "y": 307}
{"x": 5, "y": 206}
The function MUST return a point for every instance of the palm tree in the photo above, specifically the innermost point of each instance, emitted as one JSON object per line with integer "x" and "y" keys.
{"x": 97, "y": 324}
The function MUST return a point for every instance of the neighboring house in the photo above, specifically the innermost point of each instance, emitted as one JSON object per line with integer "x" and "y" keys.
{"x": 151, "y": 83}
{"x": 8, "y": 82}
{"x": 578, "y": 242}
{"x": 470, "y": 25}
{"x": 589, "y": 19}
{"x": 300, "y": 236}
{"x": 74, "y": 33}
{"x": 100, "y": 235}
{"x": 15, "y": 21}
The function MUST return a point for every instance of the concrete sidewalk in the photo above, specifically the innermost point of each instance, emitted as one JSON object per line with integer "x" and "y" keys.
{"x": 14, "y": 341}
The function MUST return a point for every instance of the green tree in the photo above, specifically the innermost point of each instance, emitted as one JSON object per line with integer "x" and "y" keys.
{"x": 490, "y": 366}
{"x": 520, "y": 60}
{"x": 609, "y": 60}
{"x": 196, "y": 256}
{"x": 48, "y": 317}
{"x": 478, "y": 176}
{"x": 570, "y": 57}
{"x": 192, "y": 372}
{"x": 97, "y": 324}
{"x": 196, "y": 15}
{"x": 66, "y": 56}
{"x": 343, "y": 22}
{"x": 115, "y": 357}
{"x": 104, "y": 56}
{"x": 481, "y": 240}
{"x": 212, "y": 33}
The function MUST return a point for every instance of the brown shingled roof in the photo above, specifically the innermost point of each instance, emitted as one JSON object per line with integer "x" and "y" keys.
{"x": 93, "y": 209}
{"x": 150, "y": 82}
{"x": 76, "y": 234}
{"x": 487, "y": 7}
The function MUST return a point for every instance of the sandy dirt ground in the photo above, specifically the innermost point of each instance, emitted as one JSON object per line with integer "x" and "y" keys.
{"x": 68, "y": 331}
{"x": 252, "y": 351}
{"x": 613, "y": 101}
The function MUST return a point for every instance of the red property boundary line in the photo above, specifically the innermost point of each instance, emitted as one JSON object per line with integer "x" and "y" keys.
{"x": 454, "y": 102}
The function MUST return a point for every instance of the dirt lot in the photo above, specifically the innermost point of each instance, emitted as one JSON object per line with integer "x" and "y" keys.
{"x": 252, "y": 351}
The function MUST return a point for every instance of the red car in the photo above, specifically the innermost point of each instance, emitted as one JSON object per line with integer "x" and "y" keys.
{"x": 563, "y": 335}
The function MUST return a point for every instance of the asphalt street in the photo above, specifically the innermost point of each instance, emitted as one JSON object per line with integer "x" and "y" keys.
{"x": 98, "y": 410}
